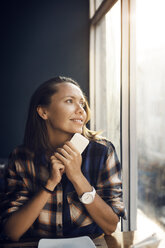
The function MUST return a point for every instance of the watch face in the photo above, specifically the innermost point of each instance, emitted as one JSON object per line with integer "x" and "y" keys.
{"x": 87, "y": 198}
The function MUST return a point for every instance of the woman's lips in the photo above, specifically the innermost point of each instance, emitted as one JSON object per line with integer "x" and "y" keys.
{"x": 78, "y": 121}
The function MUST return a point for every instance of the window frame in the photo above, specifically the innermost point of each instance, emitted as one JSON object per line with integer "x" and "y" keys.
{"x": 127, "y": 97}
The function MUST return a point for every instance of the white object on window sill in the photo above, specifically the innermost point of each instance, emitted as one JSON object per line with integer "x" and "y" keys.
{"x": 150, "y": 242}
{"x": 80, "y": 242}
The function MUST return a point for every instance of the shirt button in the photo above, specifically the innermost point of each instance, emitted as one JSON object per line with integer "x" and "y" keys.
{"x": 59, "y": 226}
{"x": 59, "y": 205}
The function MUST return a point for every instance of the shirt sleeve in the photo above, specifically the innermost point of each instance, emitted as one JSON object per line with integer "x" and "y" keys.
{"x": 109, "y": 185}
{"x": 17, "y": 189}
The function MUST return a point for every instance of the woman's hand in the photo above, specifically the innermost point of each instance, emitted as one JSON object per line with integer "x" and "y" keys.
{"x": 57, "y": 171}
{"x": 71, "y": 159}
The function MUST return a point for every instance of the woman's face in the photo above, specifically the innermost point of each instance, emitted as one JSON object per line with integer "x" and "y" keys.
{"x": 66, "y": 114}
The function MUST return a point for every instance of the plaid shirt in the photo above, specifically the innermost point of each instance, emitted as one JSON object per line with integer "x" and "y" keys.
{"x": 64, "y": 215}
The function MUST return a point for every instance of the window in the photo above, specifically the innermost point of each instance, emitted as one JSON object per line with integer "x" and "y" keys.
{"x": 150, "y": 86}
{"x": 127, "y": 58}
{"x": 110, "y": 94}
{"x": 107, "y": 75}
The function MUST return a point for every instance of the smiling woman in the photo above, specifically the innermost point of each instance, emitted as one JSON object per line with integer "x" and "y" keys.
{"x": 56, "y": 102}
{"x": 50, "y": 182}
{"x": 65, "y": 115}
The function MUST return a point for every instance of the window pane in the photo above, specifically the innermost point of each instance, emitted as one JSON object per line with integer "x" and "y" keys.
{"x": 150, "y": 107}
{"x": 107, "y": 75}
{"x": 97, "y": 3}
{"x": 113, "y": 62}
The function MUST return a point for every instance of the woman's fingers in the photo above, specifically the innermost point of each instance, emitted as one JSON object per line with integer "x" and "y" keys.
{"x": 70, "y": 158}
{"x": 56, "y": 161}
{"x": 57, "y": 164}
{"x": 61, "y": 157}
{"x": 70, "y": 148}
{"x": 58, "y": 169}
{"x": 64, "y": 152}
{"x": 67, "y": 151}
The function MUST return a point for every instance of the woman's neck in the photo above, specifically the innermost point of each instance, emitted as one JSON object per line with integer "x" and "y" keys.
{"x": 57, "y": 139}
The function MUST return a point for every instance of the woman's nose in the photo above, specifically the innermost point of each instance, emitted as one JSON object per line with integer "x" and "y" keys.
{"x": 79, "y": 108}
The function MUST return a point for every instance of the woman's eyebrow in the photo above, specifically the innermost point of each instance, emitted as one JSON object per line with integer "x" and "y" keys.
{"x": 74, "y": 97}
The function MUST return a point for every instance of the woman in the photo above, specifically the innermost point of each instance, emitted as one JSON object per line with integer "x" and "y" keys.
{"x": 48, "y": 177}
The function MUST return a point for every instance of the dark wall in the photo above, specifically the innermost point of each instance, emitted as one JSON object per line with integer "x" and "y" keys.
{"x": 39, "y": 39}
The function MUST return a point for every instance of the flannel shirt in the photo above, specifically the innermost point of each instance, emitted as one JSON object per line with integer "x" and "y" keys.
{"x": 64, "y": 215}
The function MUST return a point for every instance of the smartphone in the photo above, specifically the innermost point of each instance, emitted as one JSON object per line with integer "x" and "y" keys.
{"x": 80, "y": 142}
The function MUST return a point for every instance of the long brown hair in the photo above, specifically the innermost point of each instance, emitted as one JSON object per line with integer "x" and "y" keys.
{"x": 36, "y": 136}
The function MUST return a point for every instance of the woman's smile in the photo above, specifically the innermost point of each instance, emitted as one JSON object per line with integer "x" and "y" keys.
{"x": 78, "y": 121}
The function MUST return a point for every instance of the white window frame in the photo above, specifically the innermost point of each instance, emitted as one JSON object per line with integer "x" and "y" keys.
{"x": 128, "y": 99}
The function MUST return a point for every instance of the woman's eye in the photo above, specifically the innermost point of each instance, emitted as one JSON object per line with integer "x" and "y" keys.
{"x": 82, "y": 104}
{"x": 69, "y": 101}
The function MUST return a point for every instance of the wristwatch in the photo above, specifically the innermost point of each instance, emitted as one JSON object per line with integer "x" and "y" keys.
{"x": 88, "y": 197}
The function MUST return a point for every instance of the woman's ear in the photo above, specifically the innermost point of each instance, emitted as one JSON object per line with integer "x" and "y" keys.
{"x": 42, "y": 112}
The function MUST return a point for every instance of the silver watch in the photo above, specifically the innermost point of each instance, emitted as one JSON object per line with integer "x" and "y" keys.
{"x": 88, "y": 197}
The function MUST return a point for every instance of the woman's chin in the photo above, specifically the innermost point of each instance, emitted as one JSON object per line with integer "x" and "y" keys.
{"x": 77, "y": 130}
